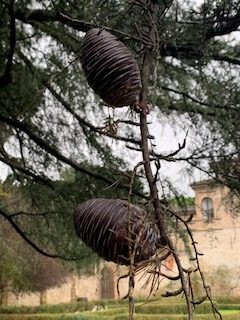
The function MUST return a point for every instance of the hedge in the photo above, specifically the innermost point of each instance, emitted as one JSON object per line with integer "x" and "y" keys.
{"x": 84, "y": 305}
{"x": 116, "y": 310}
{"x": 55, "y": 308}
{"x": 66, "y": 307}
{"x": 225, "y": 306}
{"x": 228, "y": 300}
{"x": 172, "y": 308}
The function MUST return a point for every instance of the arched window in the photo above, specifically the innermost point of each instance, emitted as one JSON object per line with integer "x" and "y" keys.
{"x": 207, "y": 209}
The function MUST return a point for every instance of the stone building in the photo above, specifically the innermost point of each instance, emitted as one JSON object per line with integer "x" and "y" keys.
{"x": 216, "y": 228}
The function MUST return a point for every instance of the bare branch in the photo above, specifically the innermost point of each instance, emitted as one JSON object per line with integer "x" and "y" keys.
{"x": 190, "y": 97}
{"x": 37, "y": 15}
{"x": 26, "y": 172}
{"x": 165, "y": 275}
{"x": 196, "y": 258}
{"x": 173, "y": 293}
{"x": 199, "y": 301}
{"x": 25, "y": 237}
{"x": 174, "y": 153}
{"x": 14, "y": 165}
{"x": 226, "y": 58}
{"x": 28, "y": 214}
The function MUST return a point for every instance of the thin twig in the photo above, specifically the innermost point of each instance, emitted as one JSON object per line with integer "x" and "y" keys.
{"x": 196, "y": 258}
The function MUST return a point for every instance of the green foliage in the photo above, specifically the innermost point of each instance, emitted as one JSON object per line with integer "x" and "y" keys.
{"x": 51, "y": 309}
{"x": 30, "y": 271}
{"x": 46, "y": 214}
{"x": 171, "y": 309}
{"x": 177, "y": 317}
{"x": 191, "y": 56}
{"x": 11, "y": 269}
{"x": 114, "y": 310}
{"x": 182, "y": 201}
{"x": 72, "y": 307}
{"x": 57, "y": 205}
{"x": 228, "y": 300}
{"x": 20, "y": 98}
{"x": 225, "y": 306}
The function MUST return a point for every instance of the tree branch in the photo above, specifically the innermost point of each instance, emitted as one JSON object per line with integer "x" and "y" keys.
{"x": 186, "y": 50}
{"x": 25, "y": 171}
{"x": 28, "y": 214}
{"x": 68, "y": 107}
{"x": 148, "y": 61}
{"x": 28, "y": 16}
{"x": 6, "y": 77}
{"x": 31, "y": 133}
{"x": 24, "y": 236}
{"x": 224, "y": 26}
{"x": 226, "y": 58}
{"x": 196, "y": 259}
{"x": 83, "y": 122}
{"x": 205, "y": 104}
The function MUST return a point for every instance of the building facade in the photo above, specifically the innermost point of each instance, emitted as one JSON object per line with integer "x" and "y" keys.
{"x": 216, "y": 228}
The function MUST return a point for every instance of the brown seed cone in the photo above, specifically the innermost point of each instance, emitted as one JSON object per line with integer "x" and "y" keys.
{"x": 103, "y": 225}
{"x": 110, "y": 68}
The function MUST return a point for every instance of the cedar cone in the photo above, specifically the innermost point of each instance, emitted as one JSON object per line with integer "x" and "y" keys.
{"x": 103, "y": 224}
{"x": 110, "y": 68}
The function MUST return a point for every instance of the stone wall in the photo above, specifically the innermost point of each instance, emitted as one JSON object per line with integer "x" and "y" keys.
{"x": 220, "y": 262}
{"x": 103, "y": 285}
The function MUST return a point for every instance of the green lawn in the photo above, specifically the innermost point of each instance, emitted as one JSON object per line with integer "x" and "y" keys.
{"x": 230, "y": 312}
{"x": 157, "y": 308}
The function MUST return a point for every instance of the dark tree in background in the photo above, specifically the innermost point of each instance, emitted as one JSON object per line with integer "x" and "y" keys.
{"x": 51, "y": 123}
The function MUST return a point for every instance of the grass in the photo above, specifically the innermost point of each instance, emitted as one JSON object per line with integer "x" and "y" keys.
{"x": 230, "y": 311}
{"x": 156, "y": 308}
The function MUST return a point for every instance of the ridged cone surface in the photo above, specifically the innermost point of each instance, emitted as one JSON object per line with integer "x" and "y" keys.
{"x": 103, "y": 225}
{"x": 110, "y": 69}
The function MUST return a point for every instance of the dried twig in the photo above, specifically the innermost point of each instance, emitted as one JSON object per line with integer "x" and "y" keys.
{"x": 148, "y": 61}
{"x": 198, "y": 268}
